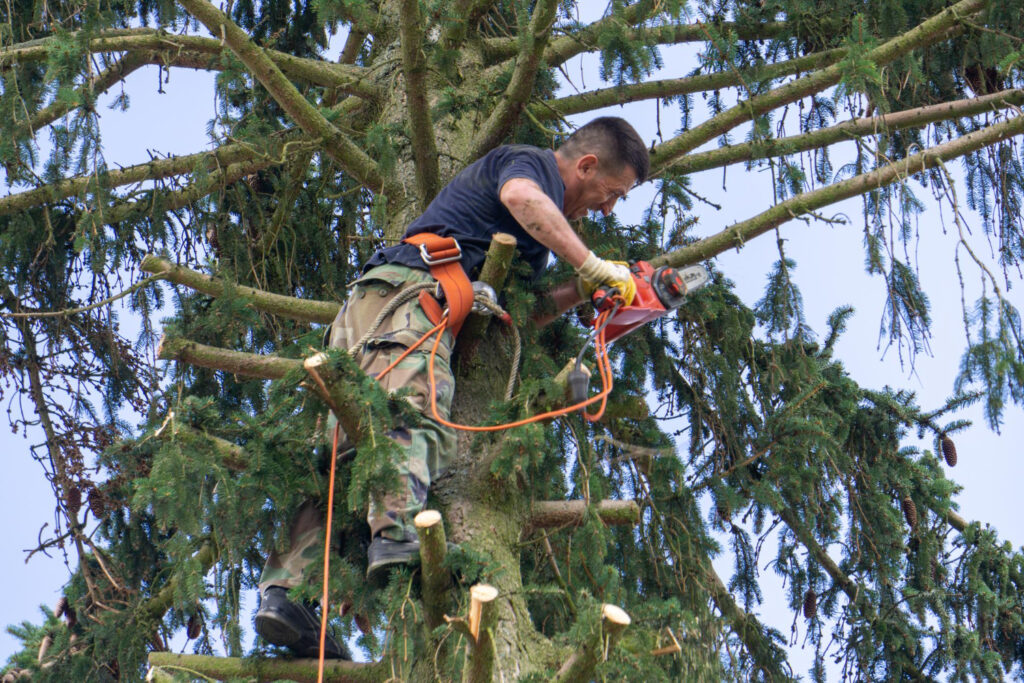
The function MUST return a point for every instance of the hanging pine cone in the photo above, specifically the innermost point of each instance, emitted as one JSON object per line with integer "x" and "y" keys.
{"x": 949, "y": 450}
{"x": 194, "y": 626}
{"x": 74, "y": 500}
{"x": 61, "y": 607}
{"x": 810, "y": 604}
{"x": 97, "y": 503}
{"x": 910, "y": 512}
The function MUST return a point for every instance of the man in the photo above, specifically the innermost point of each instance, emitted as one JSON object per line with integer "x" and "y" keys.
{"x": 527, "y": 192}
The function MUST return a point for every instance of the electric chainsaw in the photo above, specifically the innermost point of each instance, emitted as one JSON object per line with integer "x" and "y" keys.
{"x": 658, "y": 291}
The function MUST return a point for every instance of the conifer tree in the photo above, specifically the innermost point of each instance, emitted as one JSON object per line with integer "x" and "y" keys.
{"x": 597, "y": 537}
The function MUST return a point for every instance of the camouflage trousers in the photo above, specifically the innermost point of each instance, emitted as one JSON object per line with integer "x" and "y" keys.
{"x": 426, "y": 448}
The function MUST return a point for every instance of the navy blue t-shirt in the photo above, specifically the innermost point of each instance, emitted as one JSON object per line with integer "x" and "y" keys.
{"x": 470, "y": 210}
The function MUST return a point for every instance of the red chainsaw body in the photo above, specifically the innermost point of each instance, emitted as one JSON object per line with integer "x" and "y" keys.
{"x": 646, "y": 306}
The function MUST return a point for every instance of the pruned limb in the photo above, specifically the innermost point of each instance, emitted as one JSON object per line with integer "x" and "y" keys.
{"x": 305, "y": 310}
{"x": 739, "y": 233}
{"x": 436, "y": 578}
{"x": 848, "y": 130}
{"x": 931, "y": 30}
{"x": 494, "y": 272}
{"x": 559, "y": 513}
{"x": 635, "y": 92}
{"x": 337, "y": 145}
{"x": 580, "y": 665}
{"x": 520, "y": 87}
{"x": 157, "y": 169}
{"x": 158, "y": 47}
{"x": 483, "y": 616}
{"x": 225, "y": 360}
{"x": 421, "y": 128}
{"x": 250, "y": 669}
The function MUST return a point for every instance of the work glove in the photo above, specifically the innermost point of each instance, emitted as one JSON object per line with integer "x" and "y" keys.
{"x": 595, "y": 272}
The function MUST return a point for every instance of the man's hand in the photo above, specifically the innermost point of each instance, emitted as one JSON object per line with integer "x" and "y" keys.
{"x": 594, "y": 272}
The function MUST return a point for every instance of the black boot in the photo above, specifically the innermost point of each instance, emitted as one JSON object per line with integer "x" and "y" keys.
{"x": 384, "y": 553}
{"x": 284, "y": 623}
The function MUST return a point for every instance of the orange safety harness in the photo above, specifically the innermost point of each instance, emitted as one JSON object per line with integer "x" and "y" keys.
{"x": 442, "y": 254}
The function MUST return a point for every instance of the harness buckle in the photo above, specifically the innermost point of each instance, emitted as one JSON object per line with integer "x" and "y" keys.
{"x": 446, "y": 255}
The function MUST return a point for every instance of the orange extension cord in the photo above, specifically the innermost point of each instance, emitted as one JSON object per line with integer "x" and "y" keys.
{"x": 604, "y": 367}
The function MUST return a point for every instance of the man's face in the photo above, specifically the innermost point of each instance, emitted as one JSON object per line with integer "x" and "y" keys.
{"x": 596, "y": 190}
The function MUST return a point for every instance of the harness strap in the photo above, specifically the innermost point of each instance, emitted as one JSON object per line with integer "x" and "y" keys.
{"x": 442, "y": 256}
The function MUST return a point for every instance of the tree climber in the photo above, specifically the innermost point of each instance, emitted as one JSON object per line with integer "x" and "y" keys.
{"x": 524, "y": 191}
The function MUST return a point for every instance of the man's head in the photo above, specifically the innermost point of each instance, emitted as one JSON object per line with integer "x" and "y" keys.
{"x": 599, "y": 164}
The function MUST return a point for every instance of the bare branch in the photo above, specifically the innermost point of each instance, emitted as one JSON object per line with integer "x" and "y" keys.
{"x": 929, "y": 31}
{"x": 519, "y": 89}
{"x": 166, "y": 48}
{"x": 299, "y": 670}
{"x": 744, "y": 231}
{"x": 305, "y": 310}
{"x": 559, "y": 513}
{"x": 848, "y": 130}
{"x": 337, "y": 145}
{"x": 606, "y": 97}
{"x": 421, "y": 128}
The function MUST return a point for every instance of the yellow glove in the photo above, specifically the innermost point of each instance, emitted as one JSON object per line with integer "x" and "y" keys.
{"x": 594, "y": 272}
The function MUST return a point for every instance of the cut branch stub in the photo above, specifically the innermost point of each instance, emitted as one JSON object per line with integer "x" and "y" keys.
{"x": 436, "y": 579}
{"x": 580, "y": 665}
{"x": 482, "y": 618}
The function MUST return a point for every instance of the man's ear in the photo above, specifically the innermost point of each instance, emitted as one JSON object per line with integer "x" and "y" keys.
{"x": 586, "y": 165}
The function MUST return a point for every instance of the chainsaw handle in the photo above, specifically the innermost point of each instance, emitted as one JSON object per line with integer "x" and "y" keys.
{"x": 604, "y": 297}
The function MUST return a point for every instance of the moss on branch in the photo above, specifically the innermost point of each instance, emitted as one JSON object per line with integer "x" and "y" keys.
{"x": 305, "y": 310}
{"x": 252, "y": 669}
{"x": 560, "y": 513}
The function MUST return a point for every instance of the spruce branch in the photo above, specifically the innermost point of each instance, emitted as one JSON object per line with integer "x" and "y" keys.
{"x": 157, "y": 47}
{"x": 635, "y": 92}
{"x": 520, "y": 87}
{"x": 260, "y": 670}
{"x": 296, "y": 178}
{"x": 848, "y": 130}
{"x": 82, "y": 309}
{"x": 584, "y": 39}
{"x": 336, "y": 144}
{"x": 155, "y": 607}
{"x": 580, "y": 665}
{"x": 156, "y": 169}
{"x": 744, "y": 231}
{"x": 421, "y": 127}
{"x": 931, "y": 30}
{"x": 98, "y": 84}
{"x": 547, "y": 514}
{"x": 305, "y": 310}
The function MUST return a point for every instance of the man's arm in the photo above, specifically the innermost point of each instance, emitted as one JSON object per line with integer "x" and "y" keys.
{"x": 544, "y": 221}
{"x": 561, "y": 299}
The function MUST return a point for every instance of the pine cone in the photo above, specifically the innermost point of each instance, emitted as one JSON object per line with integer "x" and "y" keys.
{"x": 810, "y": 604}
{"x": 194, "y": 626}
{"x": 97, "y": 503}
{"x": 74, "y": 500}
{"x": 61, "y": 607}
{"x": 910, "y": 512}
{"x": 44, "y": 646}
{"x": 949, "y": 450}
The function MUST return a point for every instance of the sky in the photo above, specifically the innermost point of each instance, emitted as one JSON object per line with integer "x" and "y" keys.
{"x": 829, "y": 272}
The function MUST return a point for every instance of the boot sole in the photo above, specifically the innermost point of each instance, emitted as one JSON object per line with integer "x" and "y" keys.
{"x": 277, "y": 631}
